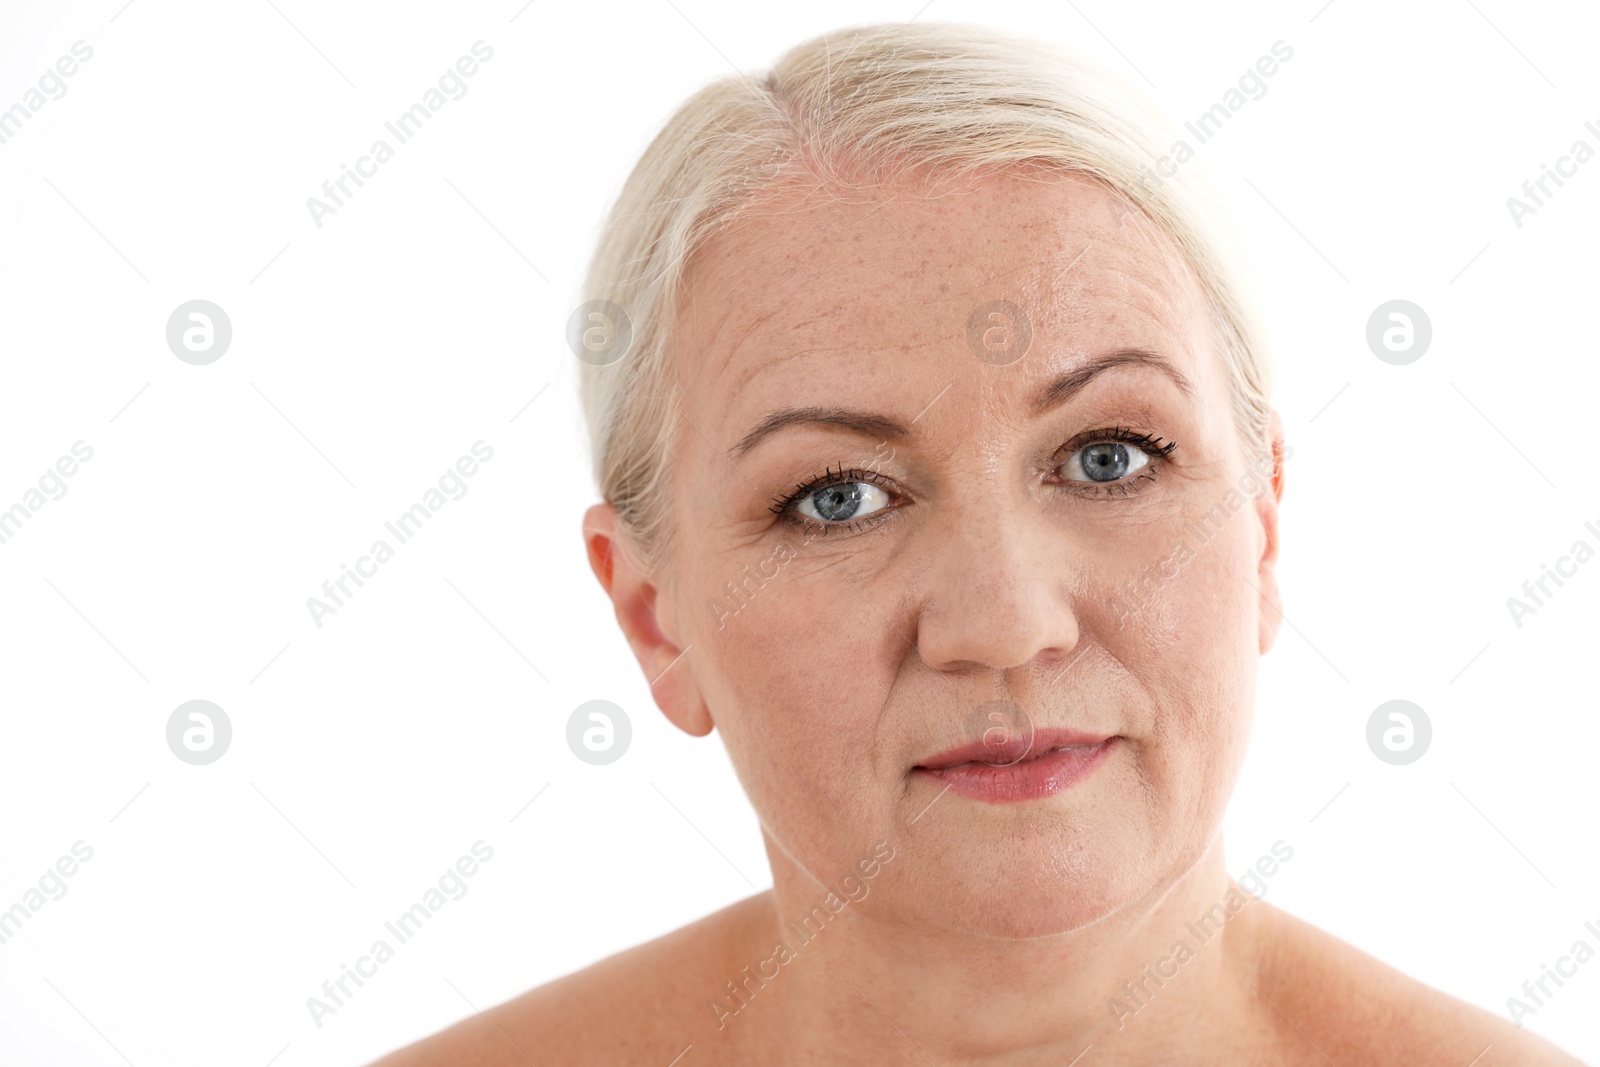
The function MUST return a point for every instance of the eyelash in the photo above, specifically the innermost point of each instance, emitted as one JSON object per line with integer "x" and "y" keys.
{"x": 1151, "y": 445}
{"x": 783, "y": 506}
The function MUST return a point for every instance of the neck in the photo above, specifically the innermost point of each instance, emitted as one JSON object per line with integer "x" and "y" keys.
{"x": 1149, "y": 980}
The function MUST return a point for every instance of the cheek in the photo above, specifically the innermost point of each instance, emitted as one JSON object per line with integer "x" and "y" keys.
{"x": 789, "y": 658}
{"x": 1180, "y": 616}
{"x": 1182, "y": 591}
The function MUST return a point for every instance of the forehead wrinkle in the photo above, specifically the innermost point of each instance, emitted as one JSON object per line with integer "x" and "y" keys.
{"x": 726, "y": 265}
{"x": 1166, "y": 298}
{"x": 727, "y": 406}
{"x": 1166, "y": 301}
{"x": 1164, "y": 283}
{"x": 744, "y": 335}
{"x": 762, "y": 242}
{"x": 708, "y": 274}
{"x": 1086, "y": 282}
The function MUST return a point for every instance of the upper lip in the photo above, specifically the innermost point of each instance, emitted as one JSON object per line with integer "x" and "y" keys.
{"x": 1012, "y": 749}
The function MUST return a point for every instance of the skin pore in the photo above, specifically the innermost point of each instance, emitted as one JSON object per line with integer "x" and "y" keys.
{"x": 972, "y": 559}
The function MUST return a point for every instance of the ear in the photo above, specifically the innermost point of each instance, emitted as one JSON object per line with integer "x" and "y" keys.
{"x": 1270, "y": 609}
{"x": 634, "y": 597}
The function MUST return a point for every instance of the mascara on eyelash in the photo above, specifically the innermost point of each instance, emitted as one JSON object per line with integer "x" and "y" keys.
{"x": 827, "y": 479}
{"x": 1150, "y": 443}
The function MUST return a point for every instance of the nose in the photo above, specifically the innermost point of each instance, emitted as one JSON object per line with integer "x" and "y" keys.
{"x": 999, "y": 589}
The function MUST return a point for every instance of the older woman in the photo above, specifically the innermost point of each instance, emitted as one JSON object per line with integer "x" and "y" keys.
{"x": 941, "y": 477}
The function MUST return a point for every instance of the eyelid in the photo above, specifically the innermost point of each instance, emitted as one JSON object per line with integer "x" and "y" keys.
{"x": 1147, "y": 441}
{"x": 785, "y": 507}
{"x": 829, "y": 478}
{"x": 1121, "y": 488}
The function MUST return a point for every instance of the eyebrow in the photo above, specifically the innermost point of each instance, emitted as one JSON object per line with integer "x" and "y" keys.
{"x": 1057, "y": 393}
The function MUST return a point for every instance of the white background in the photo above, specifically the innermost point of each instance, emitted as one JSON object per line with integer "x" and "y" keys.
{"x": 424, "y": 315}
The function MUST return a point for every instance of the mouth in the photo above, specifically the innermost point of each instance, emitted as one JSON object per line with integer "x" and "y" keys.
{"x": 1017, "y": 769}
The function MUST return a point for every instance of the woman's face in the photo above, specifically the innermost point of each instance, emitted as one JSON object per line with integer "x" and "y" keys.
{"x": 972, "y": 579}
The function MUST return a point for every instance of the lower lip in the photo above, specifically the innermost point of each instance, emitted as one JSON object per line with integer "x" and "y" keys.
{"x": 1027, "y": 779}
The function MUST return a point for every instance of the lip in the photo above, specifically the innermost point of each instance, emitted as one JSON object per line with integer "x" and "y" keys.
{"x": 1051, "y": 761}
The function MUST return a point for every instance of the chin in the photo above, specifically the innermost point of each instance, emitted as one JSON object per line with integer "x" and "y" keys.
{"x": 1015, "y": 885}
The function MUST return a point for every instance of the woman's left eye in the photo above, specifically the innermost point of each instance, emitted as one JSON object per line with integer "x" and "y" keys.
{"x": 1111, "y": 456}
{"x": 1105, "y": 461}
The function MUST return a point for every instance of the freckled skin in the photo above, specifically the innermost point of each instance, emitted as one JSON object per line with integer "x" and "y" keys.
{"x": 990, "y": 581}
{"x": 998, "y": 933}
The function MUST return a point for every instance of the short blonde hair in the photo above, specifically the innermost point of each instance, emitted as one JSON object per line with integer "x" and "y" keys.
{"x": 885, "y": 100}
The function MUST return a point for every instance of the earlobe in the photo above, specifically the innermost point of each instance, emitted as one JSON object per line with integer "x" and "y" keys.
{"x": 1268, "y": 607}
{"x": 678, "y": 696}
{"x": 634, "y": 599}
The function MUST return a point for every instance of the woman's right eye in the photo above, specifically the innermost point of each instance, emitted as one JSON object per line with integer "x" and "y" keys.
{"x": 842, "y": 502}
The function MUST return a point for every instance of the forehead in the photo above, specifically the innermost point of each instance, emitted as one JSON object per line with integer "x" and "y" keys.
{"x": 877, "y": 287}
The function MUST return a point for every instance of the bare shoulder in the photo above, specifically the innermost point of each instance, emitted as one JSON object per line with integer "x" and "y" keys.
{"x": 1357, "y": 1009}
{"x": 646, "y": 1004}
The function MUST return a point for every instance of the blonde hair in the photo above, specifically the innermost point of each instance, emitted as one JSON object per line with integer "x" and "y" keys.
{"x": 886, "y": 101}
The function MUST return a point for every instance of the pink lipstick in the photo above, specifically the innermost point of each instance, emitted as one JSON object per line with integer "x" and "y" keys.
{"x": 1041, "y": 764}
